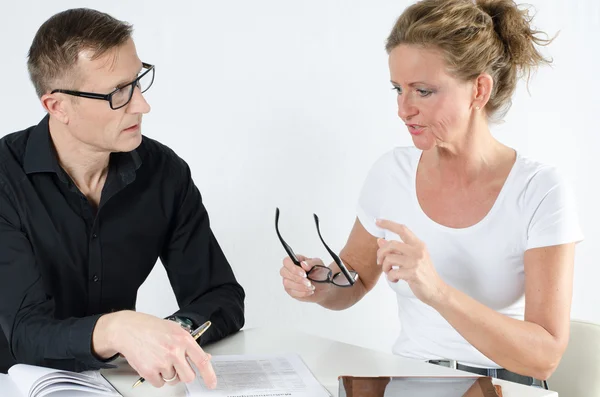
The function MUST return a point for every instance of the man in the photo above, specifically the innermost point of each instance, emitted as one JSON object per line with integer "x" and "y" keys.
{"x": 88, "y": 204}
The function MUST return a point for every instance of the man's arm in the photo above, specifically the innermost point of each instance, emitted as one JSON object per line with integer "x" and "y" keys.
{"x": 154, "y": 347}
{"x": 202, "y": 279}
{"x": 27, "y": 309}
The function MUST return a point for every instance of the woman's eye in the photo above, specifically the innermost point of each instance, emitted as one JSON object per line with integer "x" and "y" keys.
{"x": 424, "y": 93}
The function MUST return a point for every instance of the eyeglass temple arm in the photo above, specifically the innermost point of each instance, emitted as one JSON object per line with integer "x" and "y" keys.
{"x": 286, "y": 247}
{"x": 82, "y": 94}
{"x": 336, "y": 258}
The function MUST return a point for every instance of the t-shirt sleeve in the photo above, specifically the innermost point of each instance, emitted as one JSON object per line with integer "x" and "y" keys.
{"x": 370, "y": 202}
{"x": 553, "y": 208}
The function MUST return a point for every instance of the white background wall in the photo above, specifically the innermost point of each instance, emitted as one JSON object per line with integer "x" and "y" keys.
{"x": 288, "y": 103}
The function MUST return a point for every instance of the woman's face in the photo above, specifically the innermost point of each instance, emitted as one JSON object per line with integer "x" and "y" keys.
{"x": 435, "y": 106}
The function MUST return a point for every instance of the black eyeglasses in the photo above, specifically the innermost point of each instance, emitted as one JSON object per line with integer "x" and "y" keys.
{"x": 122, "y": 95}
{"x": 320, "y": 273}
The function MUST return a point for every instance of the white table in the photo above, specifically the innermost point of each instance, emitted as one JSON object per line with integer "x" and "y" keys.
{"x": 326, "y": 358}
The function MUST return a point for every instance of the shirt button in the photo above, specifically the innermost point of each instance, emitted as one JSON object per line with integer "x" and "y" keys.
{"x": 95, "y": 279}
{"x": 94, "y": 235}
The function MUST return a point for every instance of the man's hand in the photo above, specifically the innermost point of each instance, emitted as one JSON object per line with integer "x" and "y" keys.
{"x": 157, "y": 349}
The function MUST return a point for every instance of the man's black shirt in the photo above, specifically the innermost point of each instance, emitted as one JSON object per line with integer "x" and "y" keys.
{"x": 64, "y": 263}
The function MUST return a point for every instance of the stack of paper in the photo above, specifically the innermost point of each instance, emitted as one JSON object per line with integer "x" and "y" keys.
{"x": 260, "y": 375}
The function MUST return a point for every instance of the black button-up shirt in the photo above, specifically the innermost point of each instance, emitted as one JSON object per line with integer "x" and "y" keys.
{"x": 64, "y": 263}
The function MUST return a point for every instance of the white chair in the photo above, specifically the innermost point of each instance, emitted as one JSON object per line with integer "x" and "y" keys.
{"x": 578, "y": 374}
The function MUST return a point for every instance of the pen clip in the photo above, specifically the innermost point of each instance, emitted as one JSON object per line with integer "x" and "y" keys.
{"x": 200, "y": 330}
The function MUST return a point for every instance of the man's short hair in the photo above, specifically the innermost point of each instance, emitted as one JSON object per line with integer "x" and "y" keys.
{"x": 59, "y": 41}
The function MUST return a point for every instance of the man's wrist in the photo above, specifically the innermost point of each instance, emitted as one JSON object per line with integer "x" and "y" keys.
{"x": 103, "y": 337}
{"x": 184, "y": 322}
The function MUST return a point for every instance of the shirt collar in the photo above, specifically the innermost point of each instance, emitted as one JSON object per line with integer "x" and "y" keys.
{"x": 39, "y": 152}
{"x": 40, "y": 155}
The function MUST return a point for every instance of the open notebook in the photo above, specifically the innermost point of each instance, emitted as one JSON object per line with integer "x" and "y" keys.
{"x": 32, "y": 381}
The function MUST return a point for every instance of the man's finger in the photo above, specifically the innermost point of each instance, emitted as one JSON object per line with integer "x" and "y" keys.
{"x": 202, "y": 361}
{"x": 185, "y": 373}
{"x": 148, "y": 372}
{"x": 154, "y": 379}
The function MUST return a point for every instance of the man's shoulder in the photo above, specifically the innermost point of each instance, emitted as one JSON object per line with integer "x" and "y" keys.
{"x": 158, "y": 155}
{"x": 12, "y": 147}
{"x": 12, "y": 153}
{"x": 152, "y": 147}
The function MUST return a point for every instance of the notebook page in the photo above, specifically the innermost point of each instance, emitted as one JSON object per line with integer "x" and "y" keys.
{"x": 24, "y": 376}
{"x": 8, "y": 387}
{"x": 34, "y": 381}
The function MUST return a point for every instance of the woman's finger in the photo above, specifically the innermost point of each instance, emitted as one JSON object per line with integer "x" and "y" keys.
{"x": 299, "y": 294}
{"x": 396, "y": 275}
{"x": 305, "y": 286}
{"x": 292, "y": 268}
{"x": 392, "y": 261}
{"x": 293, "y": 276}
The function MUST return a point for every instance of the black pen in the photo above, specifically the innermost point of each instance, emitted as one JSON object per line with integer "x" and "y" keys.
{"x": 195, "y": 334}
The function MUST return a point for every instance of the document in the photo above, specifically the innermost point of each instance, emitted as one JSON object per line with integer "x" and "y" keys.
{"x": 259, "y": 376}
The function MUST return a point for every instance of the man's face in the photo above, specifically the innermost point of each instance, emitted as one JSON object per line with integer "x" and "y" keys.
{"x": 92, "y": 121}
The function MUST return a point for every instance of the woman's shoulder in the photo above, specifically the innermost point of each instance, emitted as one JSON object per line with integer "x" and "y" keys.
{"x": 537, "y": 179}
{"x": 537, "y": 173}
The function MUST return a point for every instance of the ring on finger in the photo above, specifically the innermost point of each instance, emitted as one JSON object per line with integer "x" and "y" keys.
{"x": 170, "y": 380}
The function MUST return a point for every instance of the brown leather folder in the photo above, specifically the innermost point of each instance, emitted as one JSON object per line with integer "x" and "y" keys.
{"x": 404, "y": 386}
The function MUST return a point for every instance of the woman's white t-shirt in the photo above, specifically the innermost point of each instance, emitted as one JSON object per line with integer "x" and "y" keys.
{"x": 535, "y": 208}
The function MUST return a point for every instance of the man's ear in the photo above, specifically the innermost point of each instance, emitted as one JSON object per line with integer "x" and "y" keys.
{"x": 482, "y": 90}
{"x": 56, "y": 106}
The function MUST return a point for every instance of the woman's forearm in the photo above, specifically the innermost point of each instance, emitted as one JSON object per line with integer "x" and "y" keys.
{"x": 519, "y": 346}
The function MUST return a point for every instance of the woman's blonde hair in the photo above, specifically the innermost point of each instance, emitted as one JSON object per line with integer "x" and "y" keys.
{"x": 481, "y": 36}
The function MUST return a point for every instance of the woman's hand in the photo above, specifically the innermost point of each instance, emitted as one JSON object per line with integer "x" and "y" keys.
{"x": 296, "y": 283}
{"x": 409, "y": 260}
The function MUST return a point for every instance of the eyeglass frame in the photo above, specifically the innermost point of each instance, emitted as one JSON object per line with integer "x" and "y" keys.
{"x": 330, "y": 276}
{"x": 108, "y": 97}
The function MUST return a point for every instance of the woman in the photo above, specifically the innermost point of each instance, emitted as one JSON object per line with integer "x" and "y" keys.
{"x": 483, "y": 267}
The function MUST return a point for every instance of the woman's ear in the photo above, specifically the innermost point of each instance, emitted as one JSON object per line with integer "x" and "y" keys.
{"x": 482, "y": 90}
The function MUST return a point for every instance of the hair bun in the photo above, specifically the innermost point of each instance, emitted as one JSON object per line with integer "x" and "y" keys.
{"x": 513, "y": 26}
